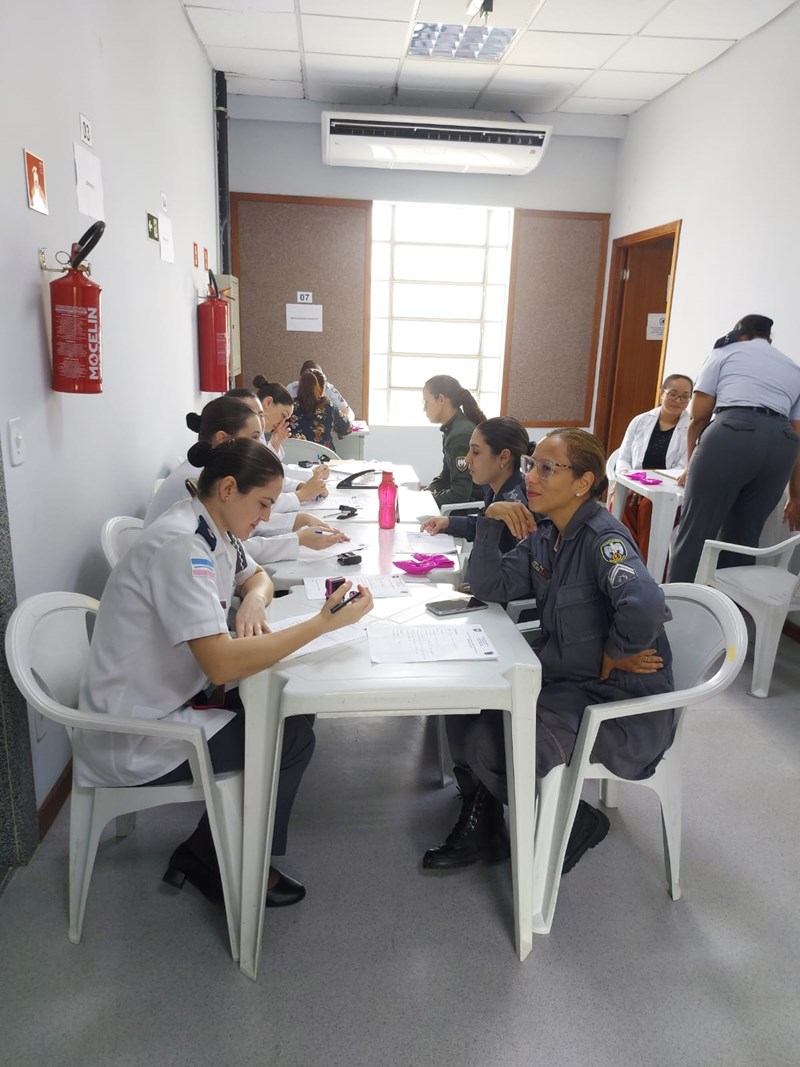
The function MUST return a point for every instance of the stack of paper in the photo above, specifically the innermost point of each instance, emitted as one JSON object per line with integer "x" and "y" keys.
{"x": 345, "y": 636}
{"x": 427, "y": 644}
{"x": 380, "y": 585}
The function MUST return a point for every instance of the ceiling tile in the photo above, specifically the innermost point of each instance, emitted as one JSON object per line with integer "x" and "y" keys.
{"x": 390, "y": 10}
{"x": 352, "y": 70}
{"x": 584, "y": 105}
{"x": 548, "y": 80}
{"x": 354, "y": 37}
{"x": 596, "y": 16}
{"x": 672, "y": 55}
{"x": 264, "y": 87}
{"x": 446, "y": 74}
{"x": 244, "y": 29}
{"x": 256, "y": 63}
{"x": 626, "y": 85}
{"x": 566, "y": 49}
{"x": 731, "y": 19}
{"x": 274, "y": 6}
{"x": 507, "y": 13}
{"x": 340, "y": 93}
{"x": 532, "y": 103}
{"x": 429, "y": 99}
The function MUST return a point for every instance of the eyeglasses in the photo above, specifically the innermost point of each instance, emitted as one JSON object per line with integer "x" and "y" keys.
{"x": 545, "y": 468}
{"x": 683, "y": 397}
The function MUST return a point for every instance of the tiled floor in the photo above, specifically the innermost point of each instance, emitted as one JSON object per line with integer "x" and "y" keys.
{"x": 383, "y": 966}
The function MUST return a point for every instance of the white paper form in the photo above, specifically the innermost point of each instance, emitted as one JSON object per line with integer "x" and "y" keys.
{"x": 380, "y": 585}
{"x": 346, "y": 636}
{"x": 430, "y": 543}
{"x": 313, "y": 555}
{"x": 332, "y": 502}
{"x": 428, "y": 644}
{"x": 88, "y": 182}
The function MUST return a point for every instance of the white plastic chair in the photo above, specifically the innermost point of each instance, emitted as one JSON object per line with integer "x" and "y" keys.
{"x": 47, "y": 645}
{"x": 768, "y": 594}
{"x": 296, "y": 448}
{"x": 117, "y": 536}
{"x": 156, "y": 486}
{"x": 706, "y": 630}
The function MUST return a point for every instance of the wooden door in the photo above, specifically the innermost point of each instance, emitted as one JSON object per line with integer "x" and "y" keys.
{"x": 640, "y": 282}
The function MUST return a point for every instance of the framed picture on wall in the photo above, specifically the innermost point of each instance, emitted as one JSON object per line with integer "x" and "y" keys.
{"x": 35, "y": 182}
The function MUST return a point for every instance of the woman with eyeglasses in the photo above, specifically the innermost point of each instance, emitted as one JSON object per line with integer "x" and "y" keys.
{"x": 496, "y": 449}
{"x": 602, "y": 639}
{"x": 456, "y": 410}
{"x": 655, "y": 440}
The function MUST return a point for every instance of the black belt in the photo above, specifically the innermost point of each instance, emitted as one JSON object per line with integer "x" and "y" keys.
{"x": 761, "y": 411}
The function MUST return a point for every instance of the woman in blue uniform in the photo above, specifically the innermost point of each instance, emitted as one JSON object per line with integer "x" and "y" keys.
{"x": 457, "y": 412}
{"x": 602, "y": 619}
{"x": 161, "y": 649}
{"x": 495, "y": 452}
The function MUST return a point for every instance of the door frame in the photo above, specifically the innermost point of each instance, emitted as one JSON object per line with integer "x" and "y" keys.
{"x": 613, "y": 317}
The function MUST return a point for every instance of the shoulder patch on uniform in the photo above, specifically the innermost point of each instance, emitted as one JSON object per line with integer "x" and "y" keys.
{"x": 619, "y": 574}
{"x": 614, "y": 550}
{"x": 202, "y": 568}
{"x": 206, "y": 533}
{"x": 461, "y": 462}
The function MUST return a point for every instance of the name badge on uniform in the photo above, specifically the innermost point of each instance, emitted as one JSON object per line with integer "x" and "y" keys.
{"x": 540, "y": 569}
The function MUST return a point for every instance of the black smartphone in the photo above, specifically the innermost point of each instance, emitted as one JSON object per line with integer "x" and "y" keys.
{"x": 455, "y": 607}
{"x": 332, "y": 584}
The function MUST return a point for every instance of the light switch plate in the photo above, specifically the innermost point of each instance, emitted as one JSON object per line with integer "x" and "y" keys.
{"x": 16, "y": 442}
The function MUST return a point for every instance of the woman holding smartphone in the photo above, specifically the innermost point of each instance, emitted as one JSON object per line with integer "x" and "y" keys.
{"x": 496, "y": 448}
{"x": 161, "y": 649}
{"x": 603, "y": 639}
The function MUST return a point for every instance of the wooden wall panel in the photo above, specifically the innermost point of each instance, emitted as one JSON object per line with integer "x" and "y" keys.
{"x": 283, "y": 245}
{"x": 557, "y": 272}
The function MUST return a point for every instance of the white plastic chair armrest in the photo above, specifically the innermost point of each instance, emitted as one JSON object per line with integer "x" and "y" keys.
{"x": 464, "y": 505}
{"x": 711, "y": 550}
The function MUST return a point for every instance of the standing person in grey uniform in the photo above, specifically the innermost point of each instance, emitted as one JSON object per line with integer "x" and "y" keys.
{"x": 740, "y": 467}
{"x": 603, "y": 639}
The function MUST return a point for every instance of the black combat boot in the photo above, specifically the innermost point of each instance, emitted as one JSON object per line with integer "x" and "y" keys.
{"x": 479, "y": 834}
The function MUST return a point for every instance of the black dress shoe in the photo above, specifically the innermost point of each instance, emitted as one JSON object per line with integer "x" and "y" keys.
{"x": 184, "y": 866}
{"x": 479, "y": 834}
{"x": 588, "y": 830}
{"x": 285, "y": 892}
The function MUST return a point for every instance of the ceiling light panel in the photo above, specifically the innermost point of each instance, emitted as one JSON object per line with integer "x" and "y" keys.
{"x": 593, "y": 16}
{"x": 452, "y": 40}
{"x": 244, "y": 29}
{"x": 668, "y": 54}
{"x": 586, "y": 50}
{"x": 732, "y": 19}
{"x": 354, "y": 37}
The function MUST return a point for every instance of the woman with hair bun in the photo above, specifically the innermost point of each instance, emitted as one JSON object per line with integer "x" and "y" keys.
{"x": 602, "y": 639}
{"x": 496, "y": 448}
{"x": 161, "y": 649}
{"x": 456, "y": 410}
{"x": 231, "y": 418}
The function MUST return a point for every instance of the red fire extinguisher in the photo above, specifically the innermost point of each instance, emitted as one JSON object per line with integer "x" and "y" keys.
{"x": 213, "y": 340}
{"x": 75, "y": 314}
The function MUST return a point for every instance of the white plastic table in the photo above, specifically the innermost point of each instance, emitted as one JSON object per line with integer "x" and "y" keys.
{"x": 351, "y": 446}
{"x": 666, "y": 499}
{"x": 382, "y": 548}
{"x": 344, "y": 682}
{"x": 413, "y": 505}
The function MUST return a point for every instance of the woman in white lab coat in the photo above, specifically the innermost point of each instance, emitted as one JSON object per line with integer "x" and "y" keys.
{"x": 161, "y": 649}
{"x": 655, "y": 440}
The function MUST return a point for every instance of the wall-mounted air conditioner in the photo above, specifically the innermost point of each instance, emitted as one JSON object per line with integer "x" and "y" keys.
{"x": 406, "y": 142}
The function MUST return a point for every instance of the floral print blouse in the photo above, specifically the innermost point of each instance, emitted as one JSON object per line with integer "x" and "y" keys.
{"x": 321, "y": 425}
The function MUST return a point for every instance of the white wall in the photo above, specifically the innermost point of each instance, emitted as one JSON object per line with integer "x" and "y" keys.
{"x": 721, "y": 151}
{"x": 138, "y": 74}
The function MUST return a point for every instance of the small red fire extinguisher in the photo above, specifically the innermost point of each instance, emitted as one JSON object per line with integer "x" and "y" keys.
{"x": 75, "y": 316}
{"x": 213, "y": 340}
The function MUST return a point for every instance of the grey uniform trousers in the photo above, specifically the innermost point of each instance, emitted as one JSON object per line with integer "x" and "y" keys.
{"x": 736, "y": 478}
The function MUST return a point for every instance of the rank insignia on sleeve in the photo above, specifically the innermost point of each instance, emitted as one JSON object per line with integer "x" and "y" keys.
{"x": 614, "y": 551}
{"x": 619, "y": 574}
{"x": 461, "y": 462}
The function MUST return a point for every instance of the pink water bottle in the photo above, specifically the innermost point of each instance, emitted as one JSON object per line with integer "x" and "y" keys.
{"x": 387, "y": 502}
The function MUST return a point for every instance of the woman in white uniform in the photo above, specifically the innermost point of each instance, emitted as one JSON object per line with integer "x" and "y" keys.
{"x": 226, "y": 419}
{"x": 655, "y": 440}
{"x": 161, "y": 649}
